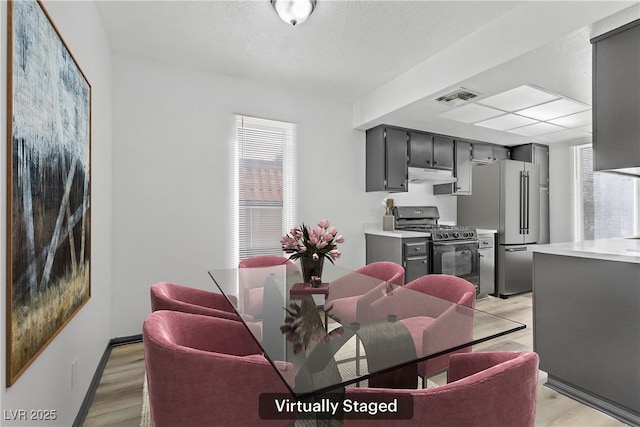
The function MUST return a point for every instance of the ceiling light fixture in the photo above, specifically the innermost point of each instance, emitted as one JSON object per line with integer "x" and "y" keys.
{"x": 293, "y": 12}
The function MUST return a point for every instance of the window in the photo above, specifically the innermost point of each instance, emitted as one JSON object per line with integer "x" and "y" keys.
{"x": 607, "y": 204}
{"x": 263, "y": 185}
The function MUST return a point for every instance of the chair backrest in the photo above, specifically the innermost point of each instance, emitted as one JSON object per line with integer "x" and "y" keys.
{"x": 384, "y": 270}
{"x": 253, "y": 274}
{"x": 169, "y": 296}
{"x": 263, "y": 261}
{"x": 489, "y": 389}
{"x": 360, "y": 283}
{"x": 204, "y": 370}
{"x": 446, "y": 287}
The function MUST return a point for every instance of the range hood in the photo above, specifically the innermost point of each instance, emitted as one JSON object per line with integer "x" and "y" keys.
{"x": 433, "y": 175}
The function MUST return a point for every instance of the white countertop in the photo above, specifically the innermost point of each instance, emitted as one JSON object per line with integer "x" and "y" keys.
{"x": 400, "y": 234}
{"x": 481, "y": 231}
{"x": 624, "y": 250}
{"x": 378, "y": 231}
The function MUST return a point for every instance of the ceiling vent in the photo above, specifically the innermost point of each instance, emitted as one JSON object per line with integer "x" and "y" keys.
{"x": 457, "y": 97}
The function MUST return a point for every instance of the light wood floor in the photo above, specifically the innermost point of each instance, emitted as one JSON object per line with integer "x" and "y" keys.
{"x": 118, "y": 399}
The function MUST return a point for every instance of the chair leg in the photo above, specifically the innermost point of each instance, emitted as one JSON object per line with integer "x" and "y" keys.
{"x": 357, "y": 355}
{"x": 423, "y": 379}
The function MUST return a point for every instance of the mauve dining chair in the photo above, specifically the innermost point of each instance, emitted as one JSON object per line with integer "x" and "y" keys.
{"x": 496, "y": 389}
{"x": 437, "y": 325}
{"x": 205, "y": 371}
{"x": 351, "y": 295}
{"x": 253, "y": 273}
{"x": 170, "y": 296}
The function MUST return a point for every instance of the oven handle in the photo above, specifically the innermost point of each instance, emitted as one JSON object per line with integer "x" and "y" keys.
{"x": 456, "y": 242}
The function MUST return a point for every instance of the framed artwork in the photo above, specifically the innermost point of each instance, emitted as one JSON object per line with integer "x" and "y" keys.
{"x": 48, "y": 185}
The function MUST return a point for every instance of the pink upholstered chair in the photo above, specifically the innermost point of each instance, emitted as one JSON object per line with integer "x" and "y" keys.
{"x": 169, "y": 296}
{"x": 350, "y": 295}
{"x": 495, "y": 389}
{"x": 253, "y": 273}
{"x": 435, "y": 326}
{"x": 204, "y": 371}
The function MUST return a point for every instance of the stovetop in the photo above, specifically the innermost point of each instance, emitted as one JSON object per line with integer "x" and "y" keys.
{"x": 443, "y": 232}
{"x": 425, "y": 219}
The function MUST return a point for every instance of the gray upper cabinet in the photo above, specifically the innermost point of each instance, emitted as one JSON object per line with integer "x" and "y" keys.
{"x": 482, "y": 153}
{"x": 462, "y": 172}
{"x": 616, "y": 100}
{"x": 488, "y": 153}
{"x": 430, "y": 151}
{"x": 463, "y": 167}
{"x": 420, "y": 149}
{"x": 500, "y": 153}
{"x": 386, "y": 163}
{"x": 442, "y": 152}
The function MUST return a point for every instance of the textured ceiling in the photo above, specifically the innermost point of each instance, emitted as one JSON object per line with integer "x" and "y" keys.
{"x": 349, "y": 49}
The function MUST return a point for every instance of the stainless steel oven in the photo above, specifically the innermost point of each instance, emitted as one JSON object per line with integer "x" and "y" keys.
{"x": 451, "y": 249}
{"x": 458, "y": 258}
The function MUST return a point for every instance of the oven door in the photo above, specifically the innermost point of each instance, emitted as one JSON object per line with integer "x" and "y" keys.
{"x": 457, "y": 258}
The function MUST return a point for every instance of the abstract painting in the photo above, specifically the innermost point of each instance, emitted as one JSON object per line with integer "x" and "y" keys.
{"x": 48, "y": 185}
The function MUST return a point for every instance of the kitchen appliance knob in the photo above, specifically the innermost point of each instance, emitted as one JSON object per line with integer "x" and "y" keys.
{"x": 445, "y": 235}
{"x": 438, "y": 236}
{"x": 456, "y": 235}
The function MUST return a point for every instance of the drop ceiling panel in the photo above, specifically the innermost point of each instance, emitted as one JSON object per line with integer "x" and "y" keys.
{"x": 553, "y": 109}
{"x": 471, "y": 113}
{"x": 586, "y": 128}
{"x": 508, "y": 121}
{"x": 518, "y": 98}
{"x": 564, "y": 135}
{"x": 573, "y": 120}
{"x": 536, "y": 129}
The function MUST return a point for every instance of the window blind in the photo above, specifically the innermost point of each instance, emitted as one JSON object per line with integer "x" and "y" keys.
{"x": 608, "y": 204}
{"x": 263, "y": 185}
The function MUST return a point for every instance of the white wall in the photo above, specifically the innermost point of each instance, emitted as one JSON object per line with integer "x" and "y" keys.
{"x": 46, "y": 384}
{"x": 171, "y": 183}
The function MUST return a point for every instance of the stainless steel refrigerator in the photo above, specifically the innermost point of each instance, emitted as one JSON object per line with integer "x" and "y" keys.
{"x": 505, "y": 196}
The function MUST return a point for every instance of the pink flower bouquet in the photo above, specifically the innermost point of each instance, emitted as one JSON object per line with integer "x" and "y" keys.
{"x": 307, "y": 242}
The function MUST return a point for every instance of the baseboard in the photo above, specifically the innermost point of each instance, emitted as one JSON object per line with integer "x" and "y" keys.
{"x": 95, "y": 381}
{"x": 626, "y": 416}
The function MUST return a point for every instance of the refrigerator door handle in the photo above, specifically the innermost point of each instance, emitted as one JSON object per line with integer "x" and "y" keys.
{"x": 526, "y": 200}
{"x": 521, "y": 202}
{"x": 516, "y": 249}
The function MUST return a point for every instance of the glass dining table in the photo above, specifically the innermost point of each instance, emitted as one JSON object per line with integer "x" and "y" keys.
{"x": 292, "y": 330}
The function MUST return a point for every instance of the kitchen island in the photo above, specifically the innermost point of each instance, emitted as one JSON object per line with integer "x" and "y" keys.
{"x": 586, "y": 322}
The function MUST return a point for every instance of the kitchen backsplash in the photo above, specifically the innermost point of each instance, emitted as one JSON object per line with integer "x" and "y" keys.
{"x": 419, "y": 194}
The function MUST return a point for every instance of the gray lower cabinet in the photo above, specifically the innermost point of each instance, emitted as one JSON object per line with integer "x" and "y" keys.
{"x": 386, "y": 162}
{"x": 487, "y": 264}
{"x": 586, "y": 330}
{"x": 411, "y": 253}
{"x": 616, "y": 100}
